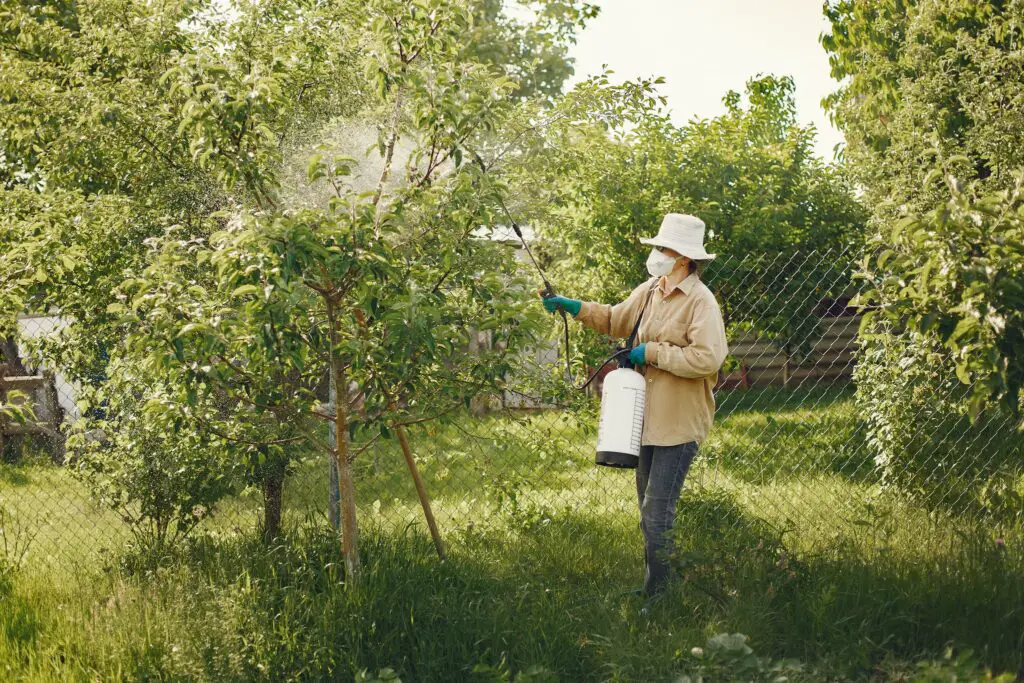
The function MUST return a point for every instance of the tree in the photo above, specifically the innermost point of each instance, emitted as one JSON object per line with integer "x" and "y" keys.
{"x": 180, "y": 121}
{"x": 99, "y": 103}
{"x": 934, "y": 136}
{"x": 238, "y": 317}
{"x": 532, "y": 53}
{"x": 750, "y": 174}
{"x": 928, "y": 105}
{"x": 89, "y": 117}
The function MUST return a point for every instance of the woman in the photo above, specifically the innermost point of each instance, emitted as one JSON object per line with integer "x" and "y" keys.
{"x": 681, "y": 347}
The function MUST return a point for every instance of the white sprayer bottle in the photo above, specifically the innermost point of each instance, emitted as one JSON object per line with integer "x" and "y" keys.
{"x": 622, "y": 418}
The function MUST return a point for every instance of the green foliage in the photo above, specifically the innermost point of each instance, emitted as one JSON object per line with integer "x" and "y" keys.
{"x": 726, "y": 656}
{"x": 144, "y": 159}
{"x": 956, "y": 666}
{"x": 925, "y": 99}
{"x": 924, "y": 441}
{"x": 64, "y": 251}
{"x": 956, "y": 275}
{"x": 925, "y": 81}
{"x": 156, "y": 471}
{"x": 750, "y": 174}
{"x": 532, "y": 53}
{"x": 96, "y": 104}
{"x": 16, "y": 408}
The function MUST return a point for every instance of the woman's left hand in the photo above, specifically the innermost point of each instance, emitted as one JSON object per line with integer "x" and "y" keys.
{"x": 638, "y": 354}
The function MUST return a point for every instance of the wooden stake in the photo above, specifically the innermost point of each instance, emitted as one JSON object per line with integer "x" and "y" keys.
{"x": 421, "y": 491}
{"x": 333, "y": 486}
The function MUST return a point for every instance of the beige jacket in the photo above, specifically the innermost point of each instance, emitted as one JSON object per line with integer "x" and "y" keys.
{"x": 686, "y": 346}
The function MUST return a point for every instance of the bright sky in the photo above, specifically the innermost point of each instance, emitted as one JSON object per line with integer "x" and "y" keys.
{"x": 705, "y": 47}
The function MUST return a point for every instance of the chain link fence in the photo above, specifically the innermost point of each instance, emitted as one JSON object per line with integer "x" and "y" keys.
{"x": 801, "y": 444}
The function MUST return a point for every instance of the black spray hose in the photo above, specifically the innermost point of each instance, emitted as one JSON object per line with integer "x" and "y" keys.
{"x": 549, "y": 291}
{"x": 600, "y": 367}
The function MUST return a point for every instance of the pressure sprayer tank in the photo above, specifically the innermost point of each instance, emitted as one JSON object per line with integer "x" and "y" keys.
{"x": 622, "y": 419}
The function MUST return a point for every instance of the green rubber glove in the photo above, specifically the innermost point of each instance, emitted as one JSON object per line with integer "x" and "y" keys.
{"x": 572, "y": 306}
{"x": 638, "y": 355}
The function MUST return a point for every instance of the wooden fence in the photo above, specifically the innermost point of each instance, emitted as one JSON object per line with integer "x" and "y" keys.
{"x": 761, "y": 363}
{"x": 764, "y": 364}
{"x": 40, "y": 393}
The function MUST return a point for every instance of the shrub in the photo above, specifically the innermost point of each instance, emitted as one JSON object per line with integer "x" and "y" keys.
{"x": 917, "y": 423}
{"x": 159, "y": 475}
{"x": 15, "y": 540}
{"x": 938, "y": 153}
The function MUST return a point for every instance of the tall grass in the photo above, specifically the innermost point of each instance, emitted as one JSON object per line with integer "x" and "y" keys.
{"x": 543, "y": 551}
{"x": 546, "y": 592}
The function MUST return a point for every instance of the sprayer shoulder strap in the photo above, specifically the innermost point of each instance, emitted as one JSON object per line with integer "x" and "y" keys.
{"x": 639, "y": 318}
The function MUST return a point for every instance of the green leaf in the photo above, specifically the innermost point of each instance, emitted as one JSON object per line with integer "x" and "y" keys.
{"x": 963, "y": 372}
{"x": 192, "y": 327}
{"x": 242, "y": 290}
{"x": 963, "y": 327}
{"x": 179, "y": 349}
{"x": 316, "y": 168}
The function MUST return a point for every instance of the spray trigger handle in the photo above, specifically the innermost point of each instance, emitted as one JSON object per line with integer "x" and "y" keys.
{"x": 623, "y": 354}
{"x": 547, "y": 291}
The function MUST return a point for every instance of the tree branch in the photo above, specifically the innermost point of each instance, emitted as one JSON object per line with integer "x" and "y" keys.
{"x": 389, "y": 153}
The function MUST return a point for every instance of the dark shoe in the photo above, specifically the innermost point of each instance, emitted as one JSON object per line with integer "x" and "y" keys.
{"x": 650, "y": 603}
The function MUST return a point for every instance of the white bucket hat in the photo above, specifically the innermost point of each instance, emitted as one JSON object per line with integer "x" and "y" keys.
{"x": 682, "y": 233}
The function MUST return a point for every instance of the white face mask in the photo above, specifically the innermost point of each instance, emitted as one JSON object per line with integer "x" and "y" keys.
{"x": 659, "y": 264}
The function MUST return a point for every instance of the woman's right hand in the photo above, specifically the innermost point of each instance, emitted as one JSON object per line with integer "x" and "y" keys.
{"x": 554, "y": 303}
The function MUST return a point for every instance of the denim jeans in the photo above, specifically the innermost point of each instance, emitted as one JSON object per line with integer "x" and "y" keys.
{"x": 659, "y": 480}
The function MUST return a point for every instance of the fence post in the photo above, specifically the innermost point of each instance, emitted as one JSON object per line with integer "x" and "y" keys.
{"x": 3, "y": 417}
{"x": 785, "y": 367}
{"x": 333, "y": 486}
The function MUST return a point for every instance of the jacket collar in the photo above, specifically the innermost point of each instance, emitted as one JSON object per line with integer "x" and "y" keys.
{"x": 685, "y": 286}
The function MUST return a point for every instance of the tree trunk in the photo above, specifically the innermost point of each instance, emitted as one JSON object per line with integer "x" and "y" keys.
{"x": 52, "y": 400}
{"x": 349, "y": 524}
{"x": 9, "y": 349}
{"x": 273, "y": 486}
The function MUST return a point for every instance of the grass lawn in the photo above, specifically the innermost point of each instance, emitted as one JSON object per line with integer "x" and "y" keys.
{"x": 784, "y": 536}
